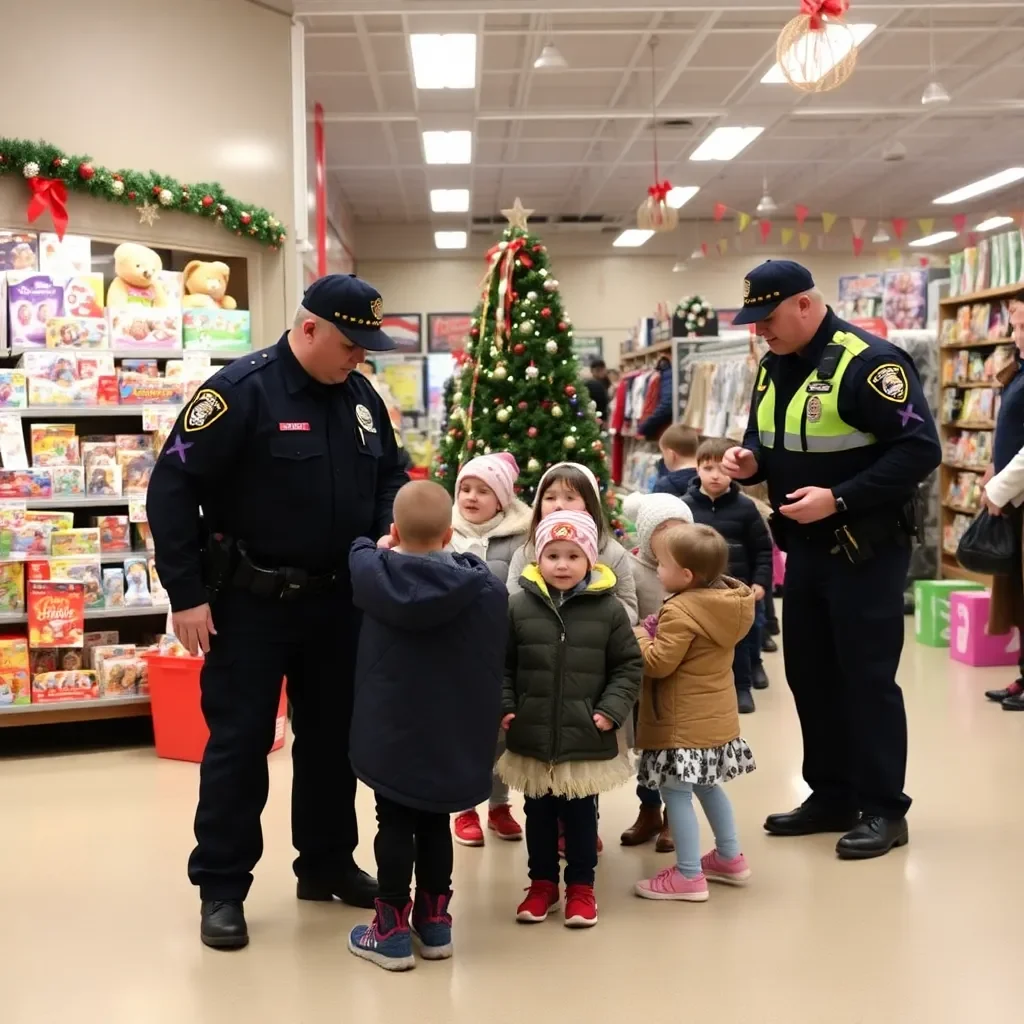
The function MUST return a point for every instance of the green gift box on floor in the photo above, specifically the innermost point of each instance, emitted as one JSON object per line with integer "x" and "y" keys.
{"x": 931, "y": 609}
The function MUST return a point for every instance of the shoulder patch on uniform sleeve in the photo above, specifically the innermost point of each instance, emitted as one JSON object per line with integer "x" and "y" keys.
{"x": 890, "y": 381}
{"x": 207, "y": 406}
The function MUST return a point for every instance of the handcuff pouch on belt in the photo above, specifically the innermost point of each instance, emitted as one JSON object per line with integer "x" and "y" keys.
{"x": 282, "y": 584}
{"x": 219, "y": 559}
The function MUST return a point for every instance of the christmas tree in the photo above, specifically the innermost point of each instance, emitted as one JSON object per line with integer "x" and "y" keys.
{"x": 519, "y": 390}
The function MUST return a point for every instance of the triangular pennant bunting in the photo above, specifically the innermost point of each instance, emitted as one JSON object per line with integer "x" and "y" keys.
{"x": 723, "y": 246}
{"x": 893, "y": 256}
{"x": 786, "y": 234}
{"x": 828, "y": 221}
{"x": 972, "y": 239}
{"x": 857, "y": 225}
{"x": 805, "y": 241}
{"x": 704, "y": 248}
{"x": 926, "y": 224}
{"x": 765, "y": 227}
{"x": 742, "y": 221}
{"x": 858, "y": 245}
{"x": 959, "y": 222}
{"x": 801, "y": 212}
{"x": 719, "y": 210}
{"x": 899, "y": 225}
{"x": 923, "y": 260}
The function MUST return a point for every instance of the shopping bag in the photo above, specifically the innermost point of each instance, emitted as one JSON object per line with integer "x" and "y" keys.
{"x": 989, "y": 545}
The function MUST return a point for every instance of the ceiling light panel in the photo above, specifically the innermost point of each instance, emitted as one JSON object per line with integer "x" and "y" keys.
{"x": 449, "y": 200}
{"x": 632, "y": 238}
{"x": 939, "y": 236}
{"x": 448, "y": 147}
{"x": 725, "y": 143}
{"x": 444, "y": 61}
{"x": 810, "y": 58}
{"x": 994, "y": 222}
{"x": 450, "y": 239}
{"x": 979, "y": 188}
{"x": 679, "y": 196}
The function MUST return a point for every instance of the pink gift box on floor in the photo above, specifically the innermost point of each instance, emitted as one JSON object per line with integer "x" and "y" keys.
{"x": 969, "y": 640}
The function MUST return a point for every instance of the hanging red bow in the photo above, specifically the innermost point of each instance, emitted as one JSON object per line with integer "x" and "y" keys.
{"x": 659, "y": 191}
{"x": 817, "y": 9}
{"x": 49, "y": 194}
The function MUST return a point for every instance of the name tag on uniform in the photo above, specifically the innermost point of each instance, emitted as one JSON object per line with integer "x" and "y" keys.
{"x": 293, "y": 426}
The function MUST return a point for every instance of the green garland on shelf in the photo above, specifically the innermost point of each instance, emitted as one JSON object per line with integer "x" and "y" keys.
{"x": 140, "y": 188}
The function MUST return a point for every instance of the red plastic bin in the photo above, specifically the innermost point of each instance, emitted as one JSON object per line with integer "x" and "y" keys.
{"x": 178, "y": 723}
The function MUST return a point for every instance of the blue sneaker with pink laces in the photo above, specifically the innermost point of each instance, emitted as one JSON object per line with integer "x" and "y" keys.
{"x": 432, "y": 925}
{"x": 385, "y": 942}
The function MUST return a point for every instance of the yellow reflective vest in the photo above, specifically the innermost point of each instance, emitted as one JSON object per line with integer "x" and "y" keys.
{"x": 812, "y": 422}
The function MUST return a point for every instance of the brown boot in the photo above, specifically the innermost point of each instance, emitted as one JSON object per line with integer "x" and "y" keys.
{"x": 647, "y": 825}
{"x": 665, "y": 843}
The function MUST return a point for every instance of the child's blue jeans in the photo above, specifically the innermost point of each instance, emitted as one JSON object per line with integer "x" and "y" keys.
{"x": 682, "y": 819}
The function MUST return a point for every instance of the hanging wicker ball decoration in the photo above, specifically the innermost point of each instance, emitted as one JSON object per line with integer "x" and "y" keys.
{"x": 654, "y": 213}
{"x": 817, "y": 51}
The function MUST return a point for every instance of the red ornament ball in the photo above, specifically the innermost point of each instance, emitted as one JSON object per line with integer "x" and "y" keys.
{"x": 245, "y": 218}
{"x": 497, "y": 401}
{"x": 563, "y": 326}
{"x": 132, "y": 195}
{"x": 523, "y": 406}
{"x": 570, "y": 390}
{"x": 207, "y": 200}
{"x": 546, "y": 404}
{"x": 538, "y": 248}
{"x": 157, "y": 190}
{"x": 55, "y": 162}
{"x": 532, "y": 432}
{"x": 545, "y": 311}
{"x": 519, "y": 348}
{"x": 86, "y": 172}
{"x": 474, "y": 332}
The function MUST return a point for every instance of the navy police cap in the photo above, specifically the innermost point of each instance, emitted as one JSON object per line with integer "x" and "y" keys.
{"x": 769, "y": 284}
{"x": 353, "y": 306}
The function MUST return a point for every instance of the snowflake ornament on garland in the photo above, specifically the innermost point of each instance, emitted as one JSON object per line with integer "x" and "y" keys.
{"x": 695, "y": 313}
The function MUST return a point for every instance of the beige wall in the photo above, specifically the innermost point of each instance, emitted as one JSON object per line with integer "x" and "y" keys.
{"x": 200, "y": 91}
{"x": 604, "y": 295}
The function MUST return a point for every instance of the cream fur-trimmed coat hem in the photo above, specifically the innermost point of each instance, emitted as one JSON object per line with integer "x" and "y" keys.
{"x": 571, "y": 779}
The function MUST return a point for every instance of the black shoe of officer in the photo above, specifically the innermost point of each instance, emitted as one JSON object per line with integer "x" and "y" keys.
{"x": 223, "y": 925}
{"x": 354, "y": 887}
{"x": 1015, "y": 703}
{"x": 760, "y": 677}
{"x": 745, "y": 702}
{"x": 808, "y": 820}
{"x": 771, "y": 628}
{"x": 1015, "y": 689}
{"x": 768, "y": 645}
{"x": 873, "y": 837}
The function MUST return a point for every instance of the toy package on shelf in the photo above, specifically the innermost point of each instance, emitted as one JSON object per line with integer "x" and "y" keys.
{"x": 19, "y": 250}
{"x": 32, "y": 300}
{"x": 56, "y": 519}
{"x": 136, "y": 575}
{"x": 113, "y": 587}
{"x": 143, "y": 537}
{"x": 82, "y": 540}
{"x": 953, "y": 531}
{"x": 55, "y": 444}
{"x": 95, "y": 364}
{"x": 977, "y": 405}
{"x": 133, "y": 327}
{"x": 76, "y": 332}
{"x": 138, "y": 389}
{"x": 26, "y": 540}
{"x": 53, "y": 379}
{"x": 13, "y": 389}
{"x": 54, "y": 687}
{"x": 982, "y": 273}
{"x": 98, "y": 638}
{"x": 220, "y": 330}
{"x": 82, "y": 570}
{"x": 969, "y": 448}
{"x": 68, "y": 481}
{"x": 155, "y": 586}
{"x": 123, "y": 677}
{"x": 103, "y": 481}
{"x": 62, "y": 257}
{"x": 12, "y": 443}
{"x": 136, "y": 469}
{"x": 83, "y": 297}
{"x": 25, "y": 483}
{"x": 56, "y": 659}
{"x": 101, "y": 652}
{"x": 965, "y": 491}
{"x": 12, "y": 587}
{"x": 115, "y": 533}
{"x": 15, "y": 673}
{"x": 956, "y": 272}
{"x": 56, "y": 613}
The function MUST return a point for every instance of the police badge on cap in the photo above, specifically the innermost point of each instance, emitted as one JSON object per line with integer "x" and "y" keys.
{"x": 353, "y": 306}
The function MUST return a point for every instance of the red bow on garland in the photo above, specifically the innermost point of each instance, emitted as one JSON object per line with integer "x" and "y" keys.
{"x": 504, "y": 261}
{"x": 49, "y": 194}
{"x": 659, "y": 191}
{"x": 817, "y": 9}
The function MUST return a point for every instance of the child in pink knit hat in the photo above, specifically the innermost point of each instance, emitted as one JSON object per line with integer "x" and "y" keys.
{"x": 489, "y": 521}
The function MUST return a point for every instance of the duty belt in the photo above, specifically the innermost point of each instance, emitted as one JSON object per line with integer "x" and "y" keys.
{"x": 283, "y": 583}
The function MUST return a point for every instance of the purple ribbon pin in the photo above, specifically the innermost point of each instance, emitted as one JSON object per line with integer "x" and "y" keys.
{"x": 180, "y": 447}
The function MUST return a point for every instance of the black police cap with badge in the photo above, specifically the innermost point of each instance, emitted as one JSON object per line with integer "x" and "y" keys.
{"x": 353, "y": 306}
{"x": 766, "y": 286}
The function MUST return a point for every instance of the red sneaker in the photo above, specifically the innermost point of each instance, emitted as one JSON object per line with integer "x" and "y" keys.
{"x": 467, "y": 829}
{"x": 580, "y": 906}
{"x": 500, "y": 820}
{"x": 541, "y": 899}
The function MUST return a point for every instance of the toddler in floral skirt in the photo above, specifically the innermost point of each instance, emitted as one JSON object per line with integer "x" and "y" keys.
{"x": 688, "y": 725}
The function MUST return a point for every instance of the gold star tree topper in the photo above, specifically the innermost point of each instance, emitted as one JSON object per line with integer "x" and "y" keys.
{"x": 518, "y": 216}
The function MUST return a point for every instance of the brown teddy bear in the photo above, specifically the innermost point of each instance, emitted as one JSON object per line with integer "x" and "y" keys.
{"x": 137, "y": 277}
{"x": 206, "y": 285}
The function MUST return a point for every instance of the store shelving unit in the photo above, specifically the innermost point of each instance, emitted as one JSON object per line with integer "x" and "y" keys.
{"x": 951, "y": 468}
{"x": 75, "y": 711}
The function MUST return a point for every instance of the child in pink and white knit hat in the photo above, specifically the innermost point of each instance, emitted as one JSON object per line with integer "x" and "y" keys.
{"x": 575, "y": 528}
{"x": 489, "y": 521}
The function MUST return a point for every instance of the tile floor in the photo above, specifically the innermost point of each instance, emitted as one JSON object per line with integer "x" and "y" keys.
{"x": 100, "y": 925}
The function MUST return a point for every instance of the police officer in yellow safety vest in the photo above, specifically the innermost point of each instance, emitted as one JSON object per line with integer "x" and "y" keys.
{"x": 840, "y": 429}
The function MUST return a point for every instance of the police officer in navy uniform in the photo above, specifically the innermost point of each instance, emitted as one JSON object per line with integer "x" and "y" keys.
{"x": 841, "y": 431}
{"x": 289, "y": 456}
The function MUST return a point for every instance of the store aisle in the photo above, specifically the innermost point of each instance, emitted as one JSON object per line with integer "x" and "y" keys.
{"x": 101, "y": 926}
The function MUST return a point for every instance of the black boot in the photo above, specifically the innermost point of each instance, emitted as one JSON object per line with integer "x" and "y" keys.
{"x": 745, "y": 702}
{"x": 760, "y": 677}
{"x": 873, "y": 837}
{"x": 808, "y": 820}
{"x": 223, "y": 925}
{"x": 768, "y": 645}
{"x": 354, "y": 887}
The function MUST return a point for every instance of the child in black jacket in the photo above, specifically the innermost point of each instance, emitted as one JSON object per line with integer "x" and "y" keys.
{"x": 718, "y": 502}
{"x": 428, "y": 691}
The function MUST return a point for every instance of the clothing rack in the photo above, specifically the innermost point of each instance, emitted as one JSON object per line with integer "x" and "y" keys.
{"x": 713, "y": 385}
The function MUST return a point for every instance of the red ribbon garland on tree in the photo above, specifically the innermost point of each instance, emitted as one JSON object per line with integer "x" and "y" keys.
{"x": 504, "y": 261}
{"x": 817, "y": 9}
{"x": 49, "y": 194}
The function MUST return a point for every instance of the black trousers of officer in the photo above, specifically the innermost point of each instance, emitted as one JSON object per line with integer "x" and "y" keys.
{"x": 311, "y": 640}
{"x": 842, "y": 631}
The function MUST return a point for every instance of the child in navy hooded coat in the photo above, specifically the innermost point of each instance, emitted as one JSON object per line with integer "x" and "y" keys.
{"x": 428, "y": 689}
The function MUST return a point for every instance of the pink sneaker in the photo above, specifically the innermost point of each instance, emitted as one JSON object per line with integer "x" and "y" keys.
{"x": 672, "y": 884}
{"x": 467, "y": 829}
{"x": 717, "y": 869}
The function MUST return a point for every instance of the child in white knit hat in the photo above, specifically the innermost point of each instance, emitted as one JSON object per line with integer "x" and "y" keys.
{"x": 653, "y": 514}
{"x": 489, "y": 521}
